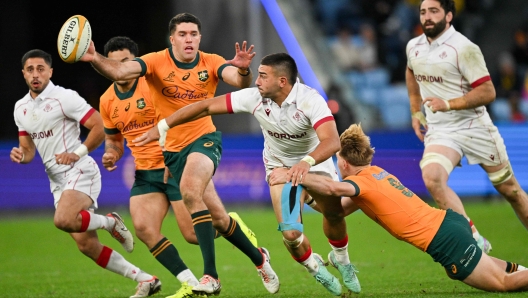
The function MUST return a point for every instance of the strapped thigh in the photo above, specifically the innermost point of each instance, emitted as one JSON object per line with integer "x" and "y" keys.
{"x": 438, "y": 158}
{"x": 291, "y": 208}
{"x": 501, "y": 175}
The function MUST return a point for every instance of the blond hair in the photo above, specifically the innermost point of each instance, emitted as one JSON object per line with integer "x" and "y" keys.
{"x": 355, "y": 146}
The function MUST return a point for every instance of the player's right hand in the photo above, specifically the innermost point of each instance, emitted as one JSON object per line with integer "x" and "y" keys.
{"x": 109, "y": 160}
{"x": 89, "y": 56}
{"x": 278, "y": 176}
{"x": 16, "y": 155}
{"x": 418, "y": 128}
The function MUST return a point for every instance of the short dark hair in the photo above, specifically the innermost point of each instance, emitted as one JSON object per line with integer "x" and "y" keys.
{"x": 184, "y": 18}
{"x": 36, "y": 53}
{"x": 119, "y": 43}
{"x": 282, "y": 63}
{"x": 447, "y": 5}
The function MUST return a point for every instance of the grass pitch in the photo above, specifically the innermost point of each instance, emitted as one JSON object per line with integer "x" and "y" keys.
{"x": 38, "y": 260}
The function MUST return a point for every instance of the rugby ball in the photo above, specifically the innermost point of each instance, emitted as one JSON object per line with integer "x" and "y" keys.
{"x": 74, "y": 39}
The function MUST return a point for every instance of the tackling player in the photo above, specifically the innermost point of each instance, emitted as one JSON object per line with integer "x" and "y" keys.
{"x": 445, "y": 235}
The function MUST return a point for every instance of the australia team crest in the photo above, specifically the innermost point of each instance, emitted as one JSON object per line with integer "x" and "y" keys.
{"x": 203, "y": 75}
{"x": 141, "y": 103}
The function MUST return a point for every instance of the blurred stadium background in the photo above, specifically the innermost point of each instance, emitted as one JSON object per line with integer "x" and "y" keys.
{"x": 352, "y": 51}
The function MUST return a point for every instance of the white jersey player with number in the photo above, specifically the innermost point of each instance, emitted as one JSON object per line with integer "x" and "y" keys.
{"x": 52, "y": 121}
{"x": 289, "y": 129}
{"x": 447, "y": 74}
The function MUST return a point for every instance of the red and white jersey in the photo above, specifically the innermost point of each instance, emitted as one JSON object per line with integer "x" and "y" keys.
{"x": 52, "y": 121}
{"x": 448, "y": 68}
{"x": 289, "y": 130}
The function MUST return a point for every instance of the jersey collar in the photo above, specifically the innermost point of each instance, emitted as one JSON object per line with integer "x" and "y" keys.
{"x": 184, "y": 65}
{"x": 44, "y": 92}
{"x": 128, "y": 94}
{"x": 444, "y": 37}
{"x": 291, "y": 99}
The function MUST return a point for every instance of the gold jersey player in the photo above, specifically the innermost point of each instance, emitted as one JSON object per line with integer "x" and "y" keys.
{"x": 444, "y": 234}
{"x": 176, "y": 77}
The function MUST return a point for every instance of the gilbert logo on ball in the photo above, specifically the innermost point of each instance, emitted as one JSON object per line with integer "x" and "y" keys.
{"x": 74, "y": 39}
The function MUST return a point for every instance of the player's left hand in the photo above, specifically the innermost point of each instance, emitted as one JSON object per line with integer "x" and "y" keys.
{"x": 243, "y": 57}
{"x": 66, "y": 158}
{"x": 278, "y": 176}
{"x": 297, "y": 172}
{"x": 435, "y": 104}
{"x": 151, "y": 135}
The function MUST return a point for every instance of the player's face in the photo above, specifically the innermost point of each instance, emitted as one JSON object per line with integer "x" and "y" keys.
{"x": 340, "y": 165}
{"x": 433, "y": 18}
{"x": 37, "y": 75}
{"x": 267, "y": 83}
{"x": 185, "y": 42}
{"x": 123, "y": 55}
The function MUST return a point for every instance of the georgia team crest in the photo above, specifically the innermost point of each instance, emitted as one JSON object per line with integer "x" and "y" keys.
{"x": 141, "y": 103}
{"x": 203, "y": 75}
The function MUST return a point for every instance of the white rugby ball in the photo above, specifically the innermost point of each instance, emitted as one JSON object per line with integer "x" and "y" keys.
{"x": 74, "y": 39}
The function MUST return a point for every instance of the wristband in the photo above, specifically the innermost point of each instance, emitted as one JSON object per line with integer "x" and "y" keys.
{"x": 247, "y": 73}
{"x": 163, "y": 127}
{"x": 447, "y": 104}
{"x": 81, "y": 150}
{"x": 310, "y": 160}
{"x": 23, "y": 155}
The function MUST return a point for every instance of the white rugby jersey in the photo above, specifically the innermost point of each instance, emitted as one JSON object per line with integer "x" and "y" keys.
{"x": 52, "y": 121}
{"x": 289, "y": 131}
{"x": 448, "y": 68}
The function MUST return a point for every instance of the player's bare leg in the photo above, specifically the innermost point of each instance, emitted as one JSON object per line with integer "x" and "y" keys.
{"x": 148, "y": 211}
{"x": 184, "y": 221}
{"x": 297, "y": 244}
{"x": 489, "y": 276}
{"x": 513, "y": 193}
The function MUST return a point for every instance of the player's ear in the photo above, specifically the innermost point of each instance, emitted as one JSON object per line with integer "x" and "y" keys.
{"x": 51, "y": 72}
{"x": 449, "y": 17}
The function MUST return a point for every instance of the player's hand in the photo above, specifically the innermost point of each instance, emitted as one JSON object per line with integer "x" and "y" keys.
{"x": 278, "y": 176}
{"x": 16, "y": 155}
{"x": 166, "y": 175}
{"x": 109, "y": 160}
{"x": 435, "y": 104}
{"x": 297, "y": 172}
{"x": 419, "y": 125}
{"x": 66, "y": 158}
{"x": 243, "y": 57}
{"x": 151, "y": 135}
{"x": 89, "y": 56}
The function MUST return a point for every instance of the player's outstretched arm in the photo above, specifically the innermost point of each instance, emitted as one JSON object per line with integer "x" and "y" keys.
{"x": 212, "y": 106}
{"x": 111, "y": 69}
{"x": 25, "y": 152}
{"x": 114, "y": 149}
{"x": 239, "y": 74}
{"x": 328, "y": 187}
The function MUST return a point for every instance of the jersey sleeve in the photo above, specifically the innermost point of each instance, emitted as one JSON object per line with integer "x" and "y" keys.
{"x": 146, "y": 61}
{"x": 219, "y": 63}
{"x": 75, "y": 107}
{"x": 408, "y": 48}
{"x": 317, "y": 110}
{"x": 245, "y": 100}
{"x": 21, "y": 130}
{"x": 472, "y": 65}
{"x": 109, "y": 127}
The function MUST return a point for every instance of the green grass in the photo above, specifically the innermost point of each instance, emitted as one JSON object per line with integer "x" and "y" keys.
{"x": 37, "y": 260}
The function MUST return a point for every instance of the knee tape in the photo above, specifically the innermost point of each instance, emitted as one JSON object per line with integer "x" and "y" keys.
{"x": 440, "y": 159}
{"x": 295, "y": 243}
{"x": 291, "y": 208}
{"x": 501, "y": 175}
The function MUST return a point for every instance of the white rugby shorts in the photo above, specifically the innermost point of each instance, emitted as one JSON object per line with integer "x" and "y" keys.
{"x": 84, "y": 176}
{"x": 327, "y": 167}
{"x": 480, "y": 145}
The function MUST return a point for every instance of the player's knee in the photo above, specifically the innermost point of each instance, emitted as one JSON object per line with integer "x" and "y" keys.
{"x": 430, "y": 175}
{"x": 64, "y": 224}
{"x": 190, "y": 236}
{"x": 293, "y": 238}
{"x": 145, "y": 233}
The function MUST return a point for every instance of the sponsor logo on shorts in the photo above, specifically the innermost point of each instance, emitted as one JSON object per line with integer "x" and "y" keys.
{"x": 454, "y": 269}
{"x": 209, "y": 144}
{"x": 468, "y": 255}
{"x": 203, "y": 75}
{"x": 492, "y": 157}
